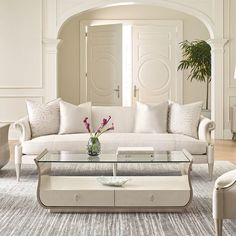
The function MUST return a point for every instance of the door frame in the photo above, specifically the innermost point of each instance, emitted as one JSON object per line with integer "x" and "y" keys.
{"x": 83, "y": 63}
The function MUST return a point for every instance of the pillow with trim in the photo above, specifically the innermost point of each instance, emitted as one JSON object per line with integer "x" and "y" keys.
{"x": 44, "y": 119}
{"x": 184, "y": 119}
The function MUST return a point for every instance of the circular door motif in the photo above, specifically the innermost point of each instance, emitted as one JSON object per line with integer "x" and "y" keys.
{"x": 103, "y": 73}
{"x": 154, "y": 74}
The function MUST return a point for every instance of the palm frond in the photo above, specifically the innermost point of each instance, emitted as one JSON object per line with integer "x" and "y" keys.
{"x": 196, "y": 58}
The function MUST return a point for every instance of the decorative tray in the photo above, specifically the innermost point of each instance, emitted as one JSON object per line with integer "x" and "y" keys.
{"x": 117, "y": 181}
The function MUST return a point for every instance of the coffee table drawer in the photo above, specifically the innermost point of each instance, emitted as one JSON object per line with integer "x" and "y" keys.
{"x": 152, "y": 198}
{"x": 77, "y": 198}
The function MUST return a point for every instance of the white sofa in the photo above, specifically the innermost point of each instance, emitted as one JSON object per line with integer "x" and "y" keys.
{"x": 123, "y": 135}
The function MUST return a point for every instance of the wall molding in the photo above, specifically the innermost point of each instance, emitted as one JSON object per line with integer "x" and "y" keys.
{"x": 40, "y": 81}
{"x": 200, "y": 9}
{"x": 4, "y": 120}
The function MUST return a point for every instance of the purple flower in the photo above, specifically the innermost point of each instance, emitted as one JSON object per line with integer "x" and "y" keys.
{"x": 105, "y": 121}
{"x": 101, "y": 129}
{"x": 85, "y": 119}
{"x": 86, "y": 124}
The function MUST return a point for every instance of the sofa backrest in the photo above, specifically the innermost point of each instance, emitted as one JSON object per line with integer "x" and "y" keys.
{"x": 122, "y": 117}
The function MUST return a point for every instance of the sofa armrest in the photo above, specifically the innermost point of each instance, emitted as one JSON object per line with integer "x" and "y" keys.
{"x": 206, "y": 126}
{"x": 226, "y": 180}
{"x": 23, "y": 126}
{"x": 224, "y": 193}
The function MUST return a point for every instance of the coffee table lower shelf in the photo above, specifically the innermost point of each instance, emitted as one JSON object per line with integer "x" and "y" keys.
{"x": 139, "y": 194}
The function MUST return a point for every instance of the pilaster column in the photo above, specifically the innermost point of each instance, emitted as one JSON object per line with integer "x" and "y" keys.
{"x": 217, "y": 85}
{"x": 50, "y": 47}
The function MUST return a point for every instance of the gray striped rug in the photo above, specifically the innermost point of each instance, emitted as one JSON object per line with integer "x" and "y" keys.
{"x": 20, "y": 214}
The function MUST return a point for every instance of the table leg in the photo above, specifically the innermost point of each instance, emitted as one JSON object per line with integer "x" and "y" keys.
{"x": 114, "y": 169}
{"x": 185, "y": 168}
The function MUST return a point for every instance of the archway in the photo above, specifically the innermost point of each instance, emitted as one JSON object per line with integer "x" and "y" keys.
{"x": 205, "y": 13}
{"x": 167, "y": 4}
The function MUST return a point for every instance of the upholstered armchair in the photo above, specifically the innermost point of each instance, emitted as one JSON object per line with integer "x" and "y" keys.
{"x": 224, "y": 199}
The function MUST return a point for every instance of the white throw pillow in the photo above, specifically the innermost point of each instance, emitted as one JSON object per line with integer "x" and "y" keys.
{"x": 72, "y": 117}
{"x": 44, "y": 119}
{"x": 184, "y": 119}
{"x": 151, "y": 118}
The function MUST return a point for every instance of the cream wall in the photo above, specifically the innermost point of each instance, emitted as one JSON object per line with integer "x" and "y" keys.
{"x": 192, "y": 91}
{"x": 20, "y": 57}
{"x": 20, "y": 44}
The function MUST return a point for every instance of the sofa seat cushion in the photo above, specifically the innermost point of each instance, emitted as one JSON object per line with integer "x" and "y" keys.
{"x": 111, "y": 141}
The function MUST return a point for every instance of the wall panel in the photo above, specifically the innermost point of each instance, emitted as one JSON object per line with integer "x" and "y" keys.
{"x": 14, "y": 108}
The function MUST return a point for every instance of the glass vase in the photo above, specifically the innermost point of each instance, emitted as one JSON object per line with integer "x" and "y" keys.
{"x": 94, "y": 146}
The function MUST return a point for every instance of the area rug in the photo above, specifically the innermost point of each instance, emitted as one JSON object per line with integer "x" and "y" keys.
{"x": 20, "y": 214}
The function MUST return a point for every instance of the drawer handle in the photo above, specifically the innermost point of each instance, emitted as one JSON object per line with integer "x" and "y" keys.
{"x": 152, "y": 198}
{"x": 77, "y": 197}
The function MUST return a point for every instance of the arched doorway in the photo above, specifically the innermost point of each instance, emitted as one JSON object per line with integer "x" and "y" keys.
{"x": 204, "y": 12}
{"x": 71, "y": 58}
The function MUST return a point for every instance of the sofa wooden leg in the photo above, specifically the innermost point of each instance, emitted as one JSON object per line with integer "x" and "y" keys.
{"x": 18, "y": 170}
{"x": 210, "y": 170}
{"x": 218, "y": 227}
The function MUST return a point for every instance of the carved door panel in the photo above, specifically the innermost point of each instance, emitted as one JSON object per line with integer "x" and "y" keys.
{"x": 104, "y": 64}
{"x": 155, "y": 60}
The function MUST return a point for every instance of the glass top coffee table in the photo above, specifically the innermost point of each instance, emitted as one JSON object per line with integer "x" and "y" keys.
{"x": 73, "y": 193}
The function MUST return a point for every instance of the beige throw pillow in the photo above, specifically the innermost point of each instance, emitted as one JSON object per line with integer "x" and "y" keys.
{"x": 44, "y": 119}
{"x": 151, "y": 118}
{"x": 72, "y": 116}
{"x": 184, "y": 119}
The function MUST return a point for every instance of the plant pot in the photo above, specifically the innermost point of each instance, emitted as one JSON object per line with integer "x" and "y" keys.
{"x": 94, "y": 146}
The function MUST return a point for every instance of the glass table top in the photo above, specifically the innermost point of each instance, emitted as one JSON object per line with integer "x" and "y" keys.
{"x": 70, "y": 157}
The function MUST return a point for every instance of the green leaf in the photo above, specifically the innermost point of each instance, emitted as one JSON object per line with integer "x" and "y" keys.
{"x": 197, "y": 58}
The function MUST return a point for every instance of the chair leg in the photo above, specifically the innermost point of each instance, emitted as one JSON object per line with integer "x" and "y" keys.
{"x": 210, "y": 170}
{"x": 218, "y": 227}
{"x": 233, "y": 137}
{"x": 18, "y": 160}
{"x": 18, "y": 170}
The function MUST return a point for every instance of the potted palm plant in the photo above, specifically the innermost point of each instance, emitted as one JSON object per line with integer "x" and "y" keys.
{"x": 197, "y": 58}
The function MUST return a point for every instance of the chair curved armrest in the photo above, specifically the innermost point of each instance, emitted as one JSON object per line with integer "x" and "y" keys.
{"x": 24, "y": 127}
{"x": 226, "y": 180}
{"x": 206, "y": 126}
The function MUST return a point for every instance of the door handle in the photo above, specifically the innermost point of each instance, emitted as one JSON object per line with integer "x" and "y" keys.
{"x": 135, "y": 91}
{"x": 77, "y": 197}
{"x": 152, "y": 198}
{"x": 118, "y": 91}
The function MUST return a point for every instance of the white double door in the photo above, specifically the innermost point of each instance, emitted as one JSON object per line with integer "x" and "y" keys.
{"x": 155, "y": 56}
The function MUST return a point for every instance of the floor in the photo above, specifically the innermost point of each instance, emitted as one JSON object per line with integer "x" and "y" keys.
{"x": 224, "y": 150}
